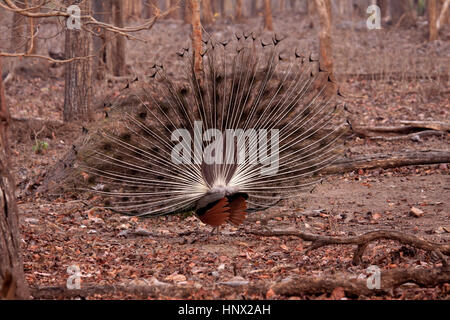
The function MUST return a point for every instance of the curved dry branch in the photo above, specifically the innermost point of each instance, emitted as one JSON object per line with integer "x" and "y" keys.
{"x": 441, "y": 249}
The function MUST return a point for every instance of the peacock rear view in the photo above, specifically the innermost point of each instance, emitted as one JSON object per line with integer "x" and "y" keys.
{"x": 252, "y": 128}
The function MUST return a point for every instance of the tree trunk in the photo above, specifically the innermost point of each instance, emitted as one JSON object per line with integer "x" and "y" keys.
{"x": 254, "y": 7}
{"x": 175, "y": 14}
{"x": 238, "y": 10}
{"x": 323, "y": 10}
{"x": 12, "y": 278}
{"x": 402, "y": 13}
{"x": 188, "y": 12}
{"x": 118, "y": 51}
{"x": 148, "y": 8}
{"x": 78, "y": 73}
{"x": 385, "y": 6}
{"x": 197, "y": 38}
{"x": 102, "y": 61}
{"x": 282, "y": 6}
{"x": 222, "y": 8}
{"x": 268, "y": 20}
{"x": 208, "y": 16}
{"x": 18, "y": 42}
{"x": 310, "y": 4}
{"x": 432, "y": 19}
{"x": 443, "y": 15}
{"x": 293, "y": 6}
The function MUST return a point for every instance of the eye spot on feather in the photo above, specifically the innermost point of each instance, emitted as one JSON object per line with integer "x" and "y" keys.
{"x": 165, "y": 108}
{"x": 125, "y": 136}
{"x": 170, "y": 127}
{"x": 132, "y": 172}
{"x": 219, "y": 79}
{"x": 306, "y": 112}
{"x": 184, "y": 91}
{"x": 144, "y": 132}
{"x": 142, "y": 115}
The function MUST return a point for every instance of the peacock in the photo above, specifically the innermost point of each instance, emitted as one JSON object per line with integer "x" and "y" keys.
{"x": 254, "y": 127}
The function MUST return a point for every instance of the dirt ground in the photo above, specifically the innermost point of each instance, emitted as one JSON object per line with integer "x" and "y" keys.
{"x": 113, "y": 249}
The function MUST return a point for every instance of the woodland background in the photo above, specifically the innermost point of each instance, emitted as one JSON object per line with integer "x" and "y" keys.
{"x": 385, "y": 204}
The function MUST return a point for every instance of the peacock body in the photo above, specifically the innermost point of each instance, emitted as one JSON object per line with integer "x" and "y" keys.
{"x": 252, "y": 128}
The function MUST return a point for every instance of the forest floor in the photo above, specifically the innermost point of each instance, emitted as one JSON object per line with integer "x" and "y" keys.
{"x": 179, "y": 253}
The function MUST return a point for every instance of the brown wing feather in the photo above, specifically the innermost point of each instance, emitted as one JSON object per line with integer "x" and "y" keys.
{"x": 237, "y": 210}
{"x": 218, "y": 214}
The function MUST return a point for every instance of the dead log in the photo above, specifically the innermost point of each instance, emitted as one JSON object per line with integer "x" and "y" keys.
{"x": 389, "y": 160}
{"x": 412, "y": 136}
{"x": 352, "y": 285}
{"x": 397, "y": 76}
{"x": 406, "y": 128}
{"x": 432, "y": 125}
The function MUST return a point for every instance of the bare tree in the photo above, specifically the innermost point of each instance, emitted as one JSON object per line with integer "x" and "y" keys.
{"x": 148, "y": 8}
{"x": 103, "y": 60}
{"x": 78, "y": 73}
{"x": 118, "y": 50}
{"x": 238, "y": 10}
{"x": 17, "y": 32}
{"x": 443, "y": 15}
{"x": 12, "y": 278}
{"x": 268, "y": 20}
{"x": 187, "y": 11}
{"x": 196, "y": 38}
{"x": 323, "y": 9}
{"x": 208, "y": 16}
{"x": 432, "y": 19}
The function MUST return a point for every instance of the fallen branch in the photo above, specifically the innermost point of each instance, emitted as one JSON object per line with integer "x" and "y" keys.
{"x": 417, "y": 136}
{"x": 362, "y": 241}
{"x": 389, "y": 279}
{"x": 433, "y": 125}
{"x": 350, "y": 283}
{"x": 265, "y": 217}
{"x": 390, "y": 160}
{"x": 398, "y": 76}
{"x": 410, "y": 127}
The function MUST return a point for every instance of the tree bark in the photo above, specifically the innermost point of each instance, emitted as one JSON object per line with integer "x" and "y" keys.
{"x": 268, "y": 20}
{"x": 196, "y": 38}
{"x": 18, "y": 42}
{"x": 175, "y": 14}
{"x": 78, "y": 73}
{"x": 385, "y": 161}
{"x": 208, "y": 16}
{"x": 443, "y": 15}
{"x": 118, "y": 51}
{"x": 324, "y": 11}
{"x": 188, "y": 12}
{"x": 147, "y": 8}
{"x": 432, "y": 20}
{"x": 102, "y": 61}
{"x": 238, "y": 10}
{"x": 12, "y": 277}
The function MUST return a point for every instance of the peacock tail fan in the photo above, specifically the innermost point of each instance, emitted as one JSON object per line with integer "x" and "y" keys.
{"x": 257, "y": 124}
